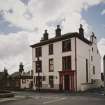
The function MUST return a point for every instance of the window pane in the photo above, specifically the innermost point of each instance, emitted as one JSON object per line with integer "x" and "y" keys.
{"x": 38, "y": 52}
{"x": 93, "y": 69}
{"x": 66, "y": 63}
{"x": 50, "y": 48}
{"x": 51, "y": 65}
{"x": 66, "y": 45}
{"x": 38, "y": 66}
{"x": 51, "y": 81}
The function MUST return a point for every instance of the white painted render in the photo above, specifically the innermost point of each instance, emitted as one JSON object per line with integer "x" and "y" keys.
{"x": 84, "y": 51}
{"x": 25, "y": 83}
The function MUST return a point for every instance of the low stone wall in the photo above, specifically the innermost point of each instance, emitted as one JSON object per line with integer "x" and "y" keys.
{"x": 47, "y": 86}
{"x": 87, "y": 86}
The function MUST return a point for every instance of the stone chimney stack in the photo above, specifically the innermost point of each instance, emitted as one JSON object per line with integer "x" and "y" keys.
{"x": 93, "y": 38}
{"x": 81, "y": 31}
{"x": 45, "y": 36}
{"x": 58, "y": 31}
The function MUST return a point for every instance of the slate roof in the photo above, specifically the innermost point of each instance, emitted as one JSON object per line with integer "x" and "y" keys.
{"x": 62, "y": 37}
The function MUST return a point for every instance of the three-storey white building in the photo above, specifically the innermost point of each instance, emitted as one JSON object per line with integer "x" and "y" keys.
{"x": 67, "y": 62}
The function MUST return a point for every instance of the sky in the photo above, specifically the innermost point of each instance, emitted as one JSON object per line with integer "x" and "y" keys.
{"x": 22, "y": 23}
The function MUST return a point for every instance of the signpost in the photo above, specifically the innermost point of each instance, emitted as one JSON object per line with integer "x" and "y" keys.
{"x": 38, "y": 70}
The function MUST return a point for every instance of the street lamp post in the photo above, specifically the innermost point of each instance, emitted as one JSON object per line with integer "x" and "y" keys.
{"x": 38, "y": 71}
{"x": 104, "y": 72}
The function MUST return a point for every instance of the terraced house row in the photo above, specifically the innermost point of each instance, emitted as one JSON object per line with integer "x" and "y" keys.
{"x": 67, "y": 62}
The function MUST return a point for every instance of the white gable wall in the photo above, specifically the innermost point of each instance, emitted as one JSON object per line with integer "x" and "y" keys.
{"x": 96, "y": 62}
{"x": 84, "y": 51}
{"x": 82, "y": 55}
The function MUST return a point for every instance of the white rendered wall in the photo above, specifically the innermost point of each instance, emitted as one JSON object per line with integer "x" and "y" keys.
{"x": 57, "y": 57}
{"x": 26, "y": 84}
{"x": 84, "y": 51}
{"x": 96, "y": 62}
{"x": 82, "y": 55}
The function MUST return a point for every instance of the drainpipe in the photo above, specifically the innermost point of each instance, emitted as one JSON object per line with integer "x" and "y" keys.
{"x": 34, "y": 87}
{"x": 104, "y": 72}
{"x": 76, "y": 63}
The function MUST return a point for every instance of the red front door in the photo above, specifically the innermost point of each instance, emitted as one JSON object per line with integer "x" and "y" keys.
{"x": 66, "y": 82}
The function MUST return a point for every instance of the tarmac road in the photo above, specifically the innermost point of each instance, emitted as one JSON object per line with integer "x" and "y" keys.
{"x": 32, "y": 98}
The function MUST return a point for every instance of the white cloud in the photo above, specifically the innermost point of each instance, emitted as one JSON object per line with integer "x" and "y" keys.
{"x": 15, "y": 48}
{"x": 103, "y": 12}
{"x": 43, "y": 11}
{"x": 34, "y": 17}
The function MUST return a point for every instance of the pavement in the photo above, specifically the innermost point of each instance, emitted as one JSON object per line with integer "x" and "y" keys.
{"x": 12, "y": 98}
{"x": 33, "y": 98}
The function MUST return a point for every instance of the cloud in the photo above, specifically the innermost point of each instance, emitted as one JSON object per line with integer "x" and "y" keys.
{"x": 37, "y": 13}
{"x": 34, "y": 16}
{"x": 17, "y": 17}
{"x": 25, "y": 1}
{"x": 14, "y": 48}
{"x": 103, "y": 12}
{"x": 6, "y": 27}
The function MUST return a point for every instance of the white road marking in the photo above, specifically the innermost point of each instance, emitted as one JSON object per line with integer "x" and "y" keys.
{"x": 52, "y": 101}
{"x": 46, "y": 97}
{"x": 36, "y": 97}
{"x": 50, "y": 97}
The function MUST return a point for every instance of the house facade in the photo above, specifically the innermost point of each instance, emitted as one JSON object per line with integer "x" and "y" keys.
{"x": 22, "y": 80}
{"x": 68, "y": 62}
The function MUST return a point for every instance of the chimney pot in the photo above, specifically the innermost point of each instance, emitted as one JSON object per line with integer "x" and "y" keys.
{"x": 81, "y": 30}
{"x": 58, "y": 31}
{"x": 45, "y": 35}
